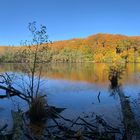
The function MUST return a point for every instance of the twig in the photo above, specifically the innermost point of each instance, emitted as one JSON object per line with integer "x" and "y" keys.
{"x": 99, "y": 96}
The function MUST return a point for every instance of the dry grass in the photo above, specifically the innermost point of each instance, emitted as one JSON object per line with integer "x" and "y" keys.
{"x": 37, "y": 111}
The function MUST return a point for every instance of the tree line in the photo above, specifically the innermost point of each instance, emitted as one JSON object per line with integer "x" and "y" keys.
{"x": 95, "y": 48}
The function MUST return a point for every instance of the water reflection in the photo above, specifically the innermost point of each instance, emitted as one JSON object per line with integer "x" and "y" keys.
{"x": 77, "y": 87}
{"x": 86, "y": 72}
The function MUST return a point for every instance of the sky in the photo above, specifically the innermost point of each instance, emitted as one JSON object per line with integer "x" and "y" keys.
{"x": 66, "y": 19}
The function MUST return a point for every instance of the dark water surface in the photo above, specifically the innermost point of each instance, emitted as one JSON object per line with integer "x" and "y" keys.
{"x": 76, "y": 88}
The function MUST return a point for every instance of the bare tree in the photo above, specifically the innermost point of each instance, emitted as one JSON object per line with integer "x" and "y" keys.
{"x": 34, "y": 50}
{"x": 32, "y": 56}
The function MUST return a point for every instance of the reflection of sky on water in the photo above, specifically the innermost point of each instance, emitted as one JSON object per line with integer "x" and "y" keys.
{"x": 76, "y": 97}
{"x": 79, "y": 97}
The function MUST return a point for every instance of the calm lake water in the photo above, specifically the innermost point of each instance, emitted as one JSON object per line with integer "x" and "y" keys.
{"x": 76, "y": 88}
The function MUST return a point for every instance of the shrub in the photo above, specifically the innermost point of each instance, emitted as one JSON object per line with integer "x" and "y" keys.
{"x": 115, "y": 73}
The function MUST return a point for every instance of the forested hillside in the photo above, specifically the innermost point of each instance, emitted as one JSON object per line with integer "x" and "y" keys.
{"x": 95, "y": 48}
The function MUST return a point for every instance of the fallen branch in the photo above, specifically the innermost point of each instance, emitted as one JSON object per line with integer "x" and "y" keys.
{"x": 13, "y": 92}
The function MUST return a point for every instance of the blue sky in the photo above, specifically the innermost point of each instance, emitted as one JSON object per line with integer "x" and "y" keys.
{"x": 67, "y": 19}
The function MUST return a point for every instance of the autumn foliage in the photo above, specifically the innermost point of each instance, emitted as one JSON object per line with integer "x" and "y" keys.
{"x": 95, "y": 48}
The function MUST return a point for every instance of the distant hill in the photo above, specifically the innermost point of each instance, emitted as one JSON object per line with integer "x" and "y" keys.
{"x": 94, "y": 48}
{"x": 96, "y": 40}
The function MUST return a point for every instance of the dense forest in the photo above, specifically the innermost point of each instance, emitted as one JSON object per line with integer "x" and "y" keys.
{"x": 95, "y": 48}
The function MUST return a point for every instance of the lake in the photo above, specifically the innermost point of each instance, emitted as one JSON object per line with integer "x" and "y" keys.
{"x": 76, "y": 87}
